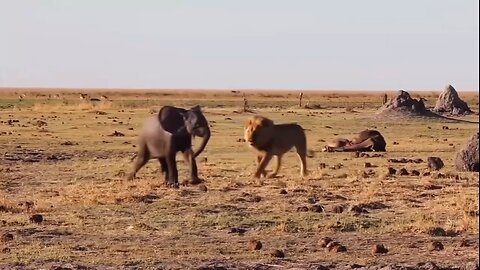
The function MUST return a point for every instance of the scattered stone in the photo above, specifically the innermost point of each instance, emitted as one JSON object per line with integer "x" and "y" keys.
{"x": 415, "y": 173}
{"x": 202, "y": 187}
{"x": 116, "y": 134}
{"x": 336, "y": 247}
{"x": 322, "y": 165}
{"x": 237, "y": 230}
{"x": 6, "y": 237}
{"x": 395, "y": 143}
{"x": 437, "y": 231}
{"x": 337, "y": 209}
{"x": 436, "y": 246}
{"x": 426, "y": 173}
{"x": 325, "y": 241}
{"x": 379, "y": 249}
{"x": 68, "y": 143}
{"x": 467, "y": 159}
{"x": 317, "y": 208}
{"x": 6, "y": 250}
{"x": 368, "y": 165}
{"x": 302, "y": 209}
{"x": 36, "y": 218}
{"x": 465, "y": 243}
{"x": 357, "y": 209}
{"x": 403, "y": 172}
{"x": 391, "y": 171}
{"x": 278, "y": 253}
{"x": 283, "y": 192}
{"x": 254, "y": 245}
{"x": 435, "y": 163}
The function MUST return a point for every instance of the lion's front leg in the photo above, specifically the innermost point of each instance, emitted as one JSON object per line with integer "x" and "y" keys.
{"x": 259, "y": 160}
{"x": 263, "y": 164}
{"x": 277, "y": 169}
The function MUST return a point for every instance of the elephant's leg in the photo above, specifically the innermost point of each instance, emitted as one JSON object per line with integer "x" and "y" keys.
{"x": 259, "y": 160}
{"x": 164, "y": 168}
{"x": 277, "y": 169}
{"x": 172, "y": 170}
{"x": 263, "y": 164}
{"x": 142, "y": 158}
{"x": 192, "y": 165}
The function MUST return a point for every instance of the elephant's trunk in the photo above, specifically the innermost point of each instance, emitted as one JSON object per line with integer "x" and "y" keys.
{"x": 206, "y": 137}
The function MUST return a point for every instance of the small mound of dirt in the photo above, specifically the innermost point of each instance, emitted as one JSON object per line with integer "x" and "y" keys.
{"x": 450, "y": 103}
{"x": 403, "y": 105}
{"x": 467, "y": 159}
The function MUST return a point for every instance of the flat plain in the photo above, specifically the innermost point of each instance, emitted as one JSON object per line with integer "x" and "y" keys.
{"x": 66, "y": 159}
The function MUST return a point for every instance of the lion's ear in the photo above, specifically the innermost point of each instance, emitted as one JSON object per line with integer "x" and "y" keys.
{"x": 248, "y": 123}
{"x": 267, "y": 122}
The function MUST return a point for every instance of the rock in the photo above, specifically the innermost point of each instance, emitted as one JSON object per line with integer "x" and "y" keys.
{"x": 436, "y": 246}
{"x": 450, "y": 103}
{"x": 325, "y": 241}
{"x": 467, "y": 159}
{"x": 317, "y": 208}
{"x": 337, "y": 209}
{"x": 379, "y": 249}
{"x": 415, "y": 173}
{"x": 202, "y": 187}
{"x": 237, "y": 230}
{"x": 36, "y": 218}
{"x": 6, "y": 237}
{"x": 435, "y": 163}
{"x": 278, "y": 253}
{"x": 283, "y": 192}
{"x": 402, "y": 172}
{"x": 437, "y": 231}
{"x": 357, "y": 209}
{"x": 336, "y": 247}
{"x": 254, "y": 245}
{"x": 302, "y": 209}
{"x": 391, "y": 171}
{"x": 368, "y": 165}
{"x": 426, "y": 173}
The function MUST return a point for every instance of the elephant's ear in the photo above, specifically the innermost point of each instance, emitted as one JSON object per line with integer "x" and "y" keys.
{"x": 196, "y": 108}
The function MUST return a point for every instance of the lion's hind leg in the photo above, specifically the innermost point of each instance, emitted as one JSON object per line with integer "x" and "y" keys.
{"x": 302, "y": 155}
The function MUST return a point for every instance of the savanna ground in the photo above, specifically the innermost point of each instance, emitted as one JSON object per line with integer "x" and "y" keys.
{"x": 59, "y": 161}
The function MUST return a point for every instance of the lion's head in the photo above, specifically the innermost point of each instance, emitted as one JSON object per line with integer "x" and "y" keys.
{"x": 258, "y": 131}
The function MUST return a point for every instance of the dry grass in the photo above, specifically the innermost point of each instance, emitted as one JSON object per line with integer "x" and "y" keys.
{"x": 94, "y": 217}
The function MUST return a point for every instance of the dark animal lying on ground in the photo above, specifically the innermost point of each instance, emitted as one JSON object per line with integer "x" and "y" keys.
{"x": 366, "y": 141}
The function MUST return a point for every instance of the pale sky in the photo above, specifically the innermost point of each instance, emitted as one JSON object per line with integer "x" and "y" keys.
{"x": 218, "y": 44}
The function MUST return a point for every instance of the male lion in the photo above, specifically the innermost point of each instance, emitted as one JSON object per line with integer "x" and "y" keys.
{"x": 271, "y": 140}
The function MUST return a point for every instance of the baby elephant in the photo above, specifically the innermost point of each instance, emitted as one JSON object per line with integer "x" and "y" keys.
{"x": 169, "y": 132}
